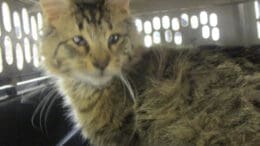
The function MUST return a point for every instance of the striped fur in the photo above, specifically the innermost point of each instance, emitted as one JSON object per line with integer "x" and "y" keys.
{"x": 182, "y": 97}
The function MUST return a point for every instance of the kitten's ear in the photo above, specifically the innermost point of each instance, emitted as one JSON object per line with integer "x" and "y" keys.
{"x": 54, "y": 9}
{"x": 121, "y": 4}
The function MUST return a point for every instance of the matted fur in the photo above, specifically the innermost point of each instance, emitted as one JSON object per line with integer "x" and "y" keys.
{"x": 200, "y": 98}
{"x": 182, "y": 97}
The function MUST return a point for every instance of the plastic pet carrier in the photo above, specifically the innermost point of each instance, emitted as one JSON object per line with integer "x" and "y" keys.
{"x": 31, "y": 113}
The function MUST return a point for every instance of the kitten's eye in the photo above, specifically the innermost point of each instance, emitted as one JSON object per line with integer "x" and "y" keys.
{"x": 113, "y": 39}
{"x": 80, "y": 41}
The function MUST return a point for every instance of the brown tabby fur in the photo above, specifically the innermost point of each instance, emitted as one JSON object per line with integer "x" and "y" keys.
{"x": 182, "y": 97}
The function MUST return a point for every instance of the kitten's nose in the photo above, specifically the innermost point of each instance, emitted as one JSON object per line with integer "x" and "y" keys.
{"x": 101, "y": 63}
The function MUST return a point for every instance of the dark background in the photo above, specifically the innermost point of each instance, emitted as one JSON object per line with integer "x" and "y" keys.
{"x": 18, "y": 128}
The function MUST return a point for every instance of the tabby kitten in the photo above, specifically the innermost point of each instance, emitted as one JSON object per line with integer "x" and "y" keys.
{"x": 175, "y": 97}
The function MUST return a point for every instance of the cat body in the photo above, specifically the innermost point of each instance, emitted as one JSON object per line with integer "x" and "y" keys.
{"x": 120, "y": 95}
{"x": 207, "y": 101}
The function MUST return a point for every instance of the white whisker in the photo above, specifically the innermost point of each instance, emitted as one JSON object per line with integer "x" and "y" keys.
{"x": 128, "y": 86}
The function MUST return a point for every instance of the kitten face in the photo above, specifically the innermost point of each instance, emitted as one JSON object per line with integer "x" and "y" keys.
{"x": 90, "y": 42}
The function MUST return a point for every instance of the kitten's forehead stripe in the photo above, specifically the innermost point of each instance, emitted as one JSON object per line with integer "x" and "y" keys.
{"x": 80, "y": 25}
{"x": 92, "y": 12}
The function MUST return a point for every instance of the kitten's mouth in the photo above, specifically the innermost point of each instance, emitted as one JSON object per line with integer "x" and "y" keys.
{"x": 98, "y": 80}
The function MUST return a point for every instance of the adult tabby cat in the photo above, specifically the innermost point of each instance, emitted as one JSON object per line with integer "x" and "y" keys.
{"x": 174, "y": 97}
